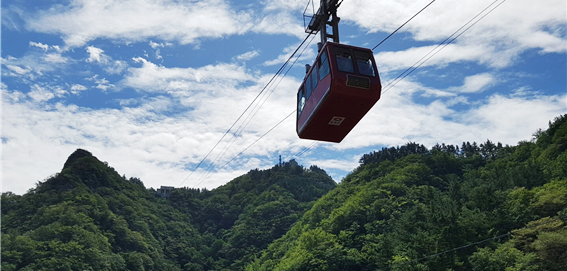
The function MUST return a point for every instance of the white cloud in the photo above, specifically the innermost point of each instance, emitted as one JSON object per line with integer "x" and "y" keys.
{"x": 132, "y": 21}
{"x": 476, "y": 83}
{"x": 39, "y": 45}
{"x": 279, "y": 23}
{"x": 33, "y": 65}
{"x": 184, "y": 22}
{"x": 77, "y": 88}
{"x": 156, "y": 45}
{"x": 111, "y": 66}
{"x": 247, "y": 56}
{"x": 496, "y": 41}
{"x": 18, "y": 69}
{"x": 12, "y": 18}
{"x": 331, "y": 164}
{"x": 514, "y": 118}
{"x": 154, "y": 78}
{"x": 116, "y": 66}
{"x": 45, "y": 47}
{"x": 55, "y": 58}
{"x": 11, "y": 96}
{"x": 441, "y": 56}
{"x": 96, "y": 55}
{"x": 287, "y": 5}
{"x": 101, "y": 83}
{"x": 308, "y": 55}
{"x": 40, "y": 94}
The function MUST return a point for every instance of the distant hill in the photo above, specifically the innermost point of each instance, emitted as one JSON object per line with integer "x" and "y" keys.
{"x": 469, "y": 207}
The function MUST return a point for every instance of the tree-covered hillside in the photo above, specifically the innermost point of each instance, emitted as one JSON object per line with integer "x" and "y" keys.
{"x": 477, "y": 207}
{"x": 253, "y": 210}
{"x": 88, "y": 217}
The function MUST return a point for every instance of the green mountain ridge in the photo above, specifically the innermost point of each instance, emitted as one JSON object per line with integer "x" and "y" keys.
{"x": 473, "y": 207}
{"x": 88, "y": 217}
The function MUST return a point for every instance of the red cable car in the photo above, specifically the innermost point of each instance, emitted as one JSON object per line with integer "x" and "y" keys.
{"x": 338, "y": 90}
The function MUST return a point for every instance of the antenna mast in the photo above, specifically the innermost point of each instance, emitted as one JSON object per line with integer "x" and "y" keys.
{"x": 325, "y": 15}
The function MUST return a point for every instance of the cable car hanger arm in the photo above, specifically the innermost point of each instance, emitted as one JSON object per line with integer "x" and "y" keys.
{"x": 320, "y": 20}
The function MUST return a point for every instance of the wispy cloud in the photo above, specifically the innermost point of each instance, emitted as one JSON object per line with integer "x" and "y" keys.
{"x": 182, "y": 22}
{"x": 17, "y": 69}
{"x": 40, "y": 94}
{"x": 308, "y": 55}
{"x": 39, "y": 45}
{"x": 151, "y": 77}
{"x": 101, "y": 83}
{"x": 136, "y": 21}
{"x": 34, "y": 65}
{"x": 55, "y": 58}
{"x": 475, "y": 83}
{"x": 495, "y": 41}
{"x": 247, "y": 56}
{"x": 77, "y": 88}
{"x": 96, "y": 55}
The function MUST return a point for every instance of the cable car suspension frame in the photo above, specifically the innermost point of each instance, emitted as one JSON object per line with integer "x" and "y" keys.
{"x": 325, "y": 15}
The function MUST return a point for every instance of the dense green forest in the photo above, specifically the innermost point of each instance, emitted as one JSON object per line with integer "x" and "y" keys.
{"x": 470, "y": 207}
{"x": 477, "y": 207}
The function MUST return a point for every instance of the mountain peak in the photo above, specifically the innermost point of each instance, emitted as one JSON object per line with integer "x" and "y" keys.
{"x": 78, "y": 154}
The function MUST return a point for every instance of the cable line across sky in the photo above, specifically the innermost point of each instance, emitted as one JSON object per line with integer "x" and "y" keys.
{"x": 388, "y": 86}
{"x": 442, "y": 45}
{"x": 250, "y": 116}
{"x": 245, "y": 110}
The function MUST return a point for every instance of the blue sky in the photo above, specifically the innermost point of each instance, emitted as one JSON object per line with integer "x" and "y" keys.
{"x": 152, "y": 86}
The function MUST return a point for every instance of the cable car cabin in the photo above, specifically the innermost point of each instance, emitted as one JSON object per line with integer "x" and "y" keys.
{"x": 338, "y": 90}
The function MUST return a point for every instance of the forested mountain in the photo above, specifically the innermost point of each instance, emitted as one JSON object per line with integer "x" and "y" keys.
{"x": 253, "y": 210}
{"x": 470, "y": 207}
{"x": 478, "y": 207}
{"x": 88, "y": 217}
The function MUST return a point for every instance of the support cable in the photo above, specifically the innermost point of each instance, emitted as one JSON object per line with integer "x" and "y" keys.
{"x": 305, "y": 149}
{"x": 255, "y": 110}
{"x": 245, "y": 149}
{"x": 245, "y": 110}
{"x": 402, "y": 25}
{"x": 442, "y": 44}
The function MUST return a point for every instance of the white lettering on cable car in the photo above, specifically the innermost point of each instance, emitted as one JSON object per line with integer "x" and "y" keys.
{"x": 336, "y": 121}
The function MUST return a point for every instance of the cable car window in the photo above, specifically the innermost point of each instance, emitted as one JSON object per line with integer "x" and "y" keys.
{"x": 300, "y": 102}
{"x": 308, "y": 87}
{"x": 314, "y": 74}
{"x": 324, "y": 70}
{"x": 344, "y": 60}
{"x": 364, "y": 63}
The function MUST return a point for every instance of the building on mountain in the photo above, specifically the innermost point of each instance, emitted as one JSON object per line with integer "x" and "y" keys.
{"x": 164, "y": 191}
